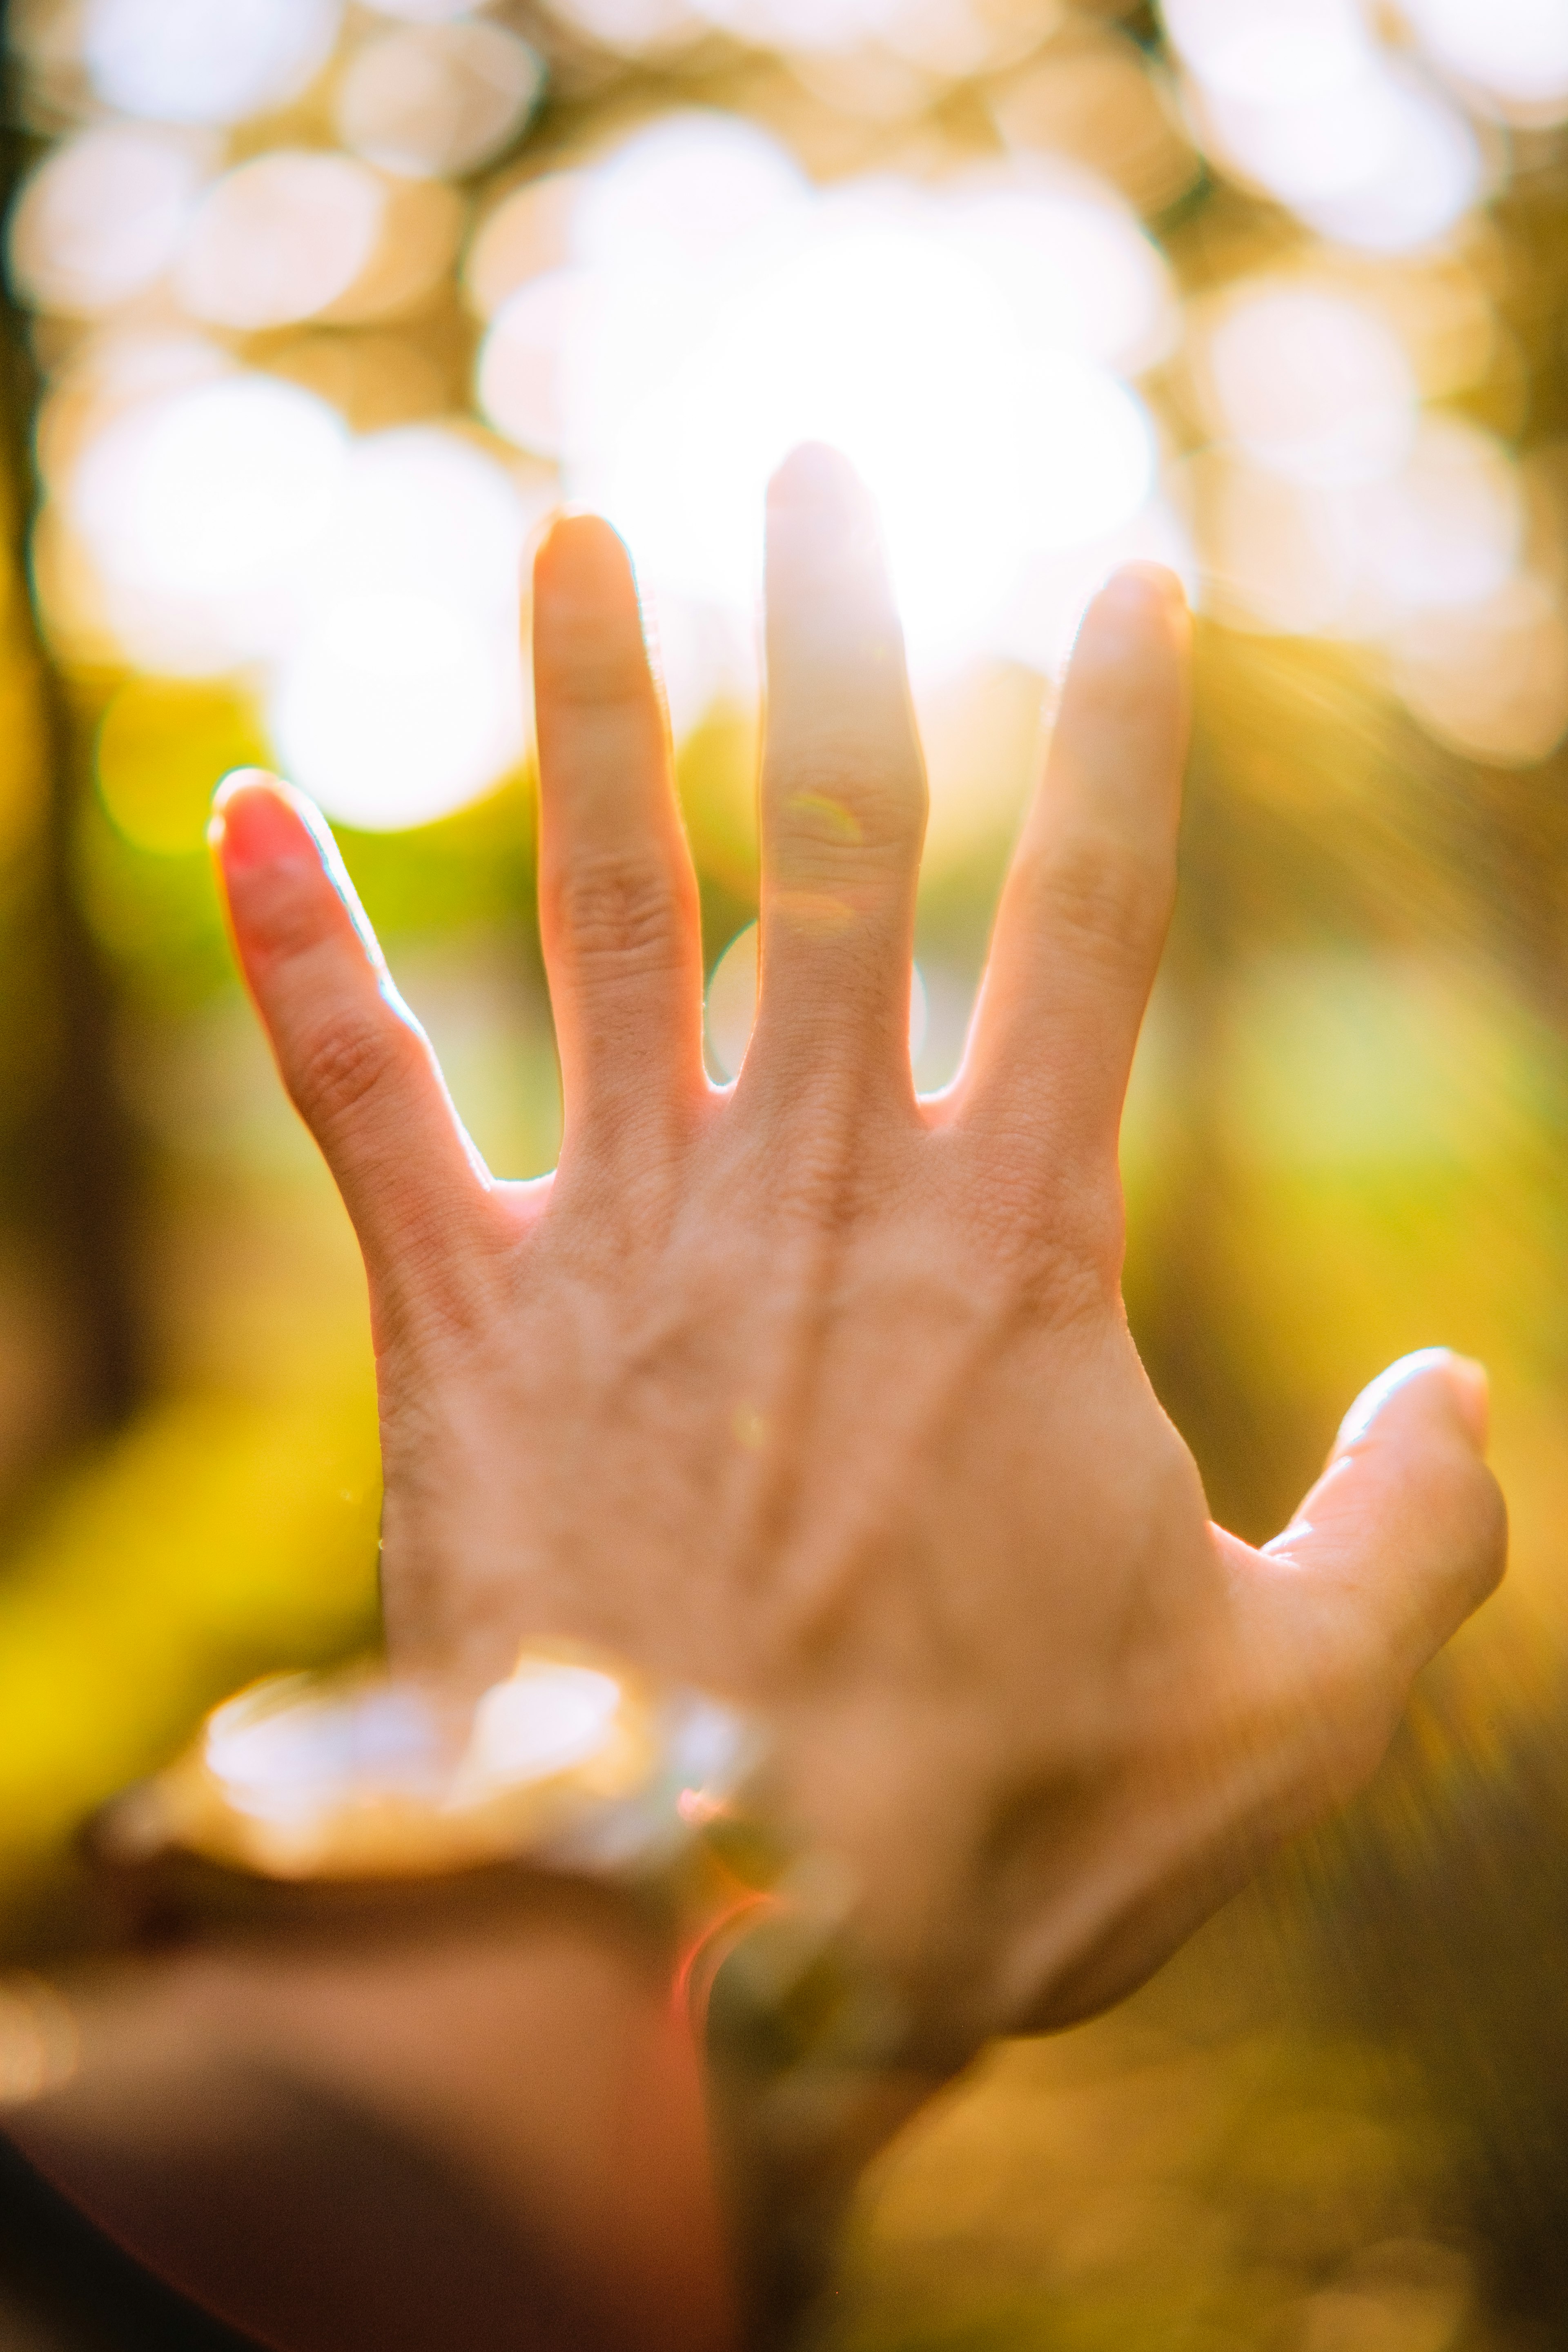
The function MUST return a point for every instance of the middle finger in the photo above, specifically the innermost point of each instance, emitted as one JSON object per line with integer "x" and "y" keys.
{"x": 843, "y": 789}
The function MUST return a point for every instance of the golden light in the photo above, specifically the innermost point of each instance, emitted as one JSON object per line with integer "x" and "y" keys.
{"x": 161, "y": 741}
{"x": 635, "y": 27}
{"x": 400, "y": 697}
{"x": 39, "y": 2045}
{"x": 519, "y": 382}
{"x": 197, "y": 509}
{"x": 965, "y": 346}
{"x": 422, "y": 12}
{"x": 949, "y": 38}
{"x": 1076, "y": 269}
{"x": 541, "y": 1721}
{"x": 101, "y": 218}
{"x": 1303, "y": 556}
{"x": 396, "y": 709}
{"x": 1279, "y": 555}
{"x": 110, "y": 373}
{"x": 1491, "y": 679}
{"x": 661, "y": 323}
{"x": 422, "y": 223}
{"x": 437, "y": 97}
{"x": 1300, "y": 101}
{"x": 1513, "y": 54}
{"x": 209, "y": 61}
{"x": 1309, "y": 382}
{"x": 529, "y": 233}
{"x": 374, "y": 381}
{"x": 279, "y": 239}
{"x": 1094, "y": 99}
{"x": 802, "y": 23}
{"x": 1447, "y": 529}
{"x": 1331, "y": 503}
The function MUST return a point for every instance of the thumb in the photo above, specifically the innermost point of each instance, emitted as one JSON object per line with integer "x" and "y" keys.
{"x": 1406, "y": 1528}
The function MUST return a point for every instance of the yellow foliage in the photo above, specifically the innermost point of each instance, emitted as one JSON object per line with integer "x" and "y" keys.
{"x": 213, "y": 1540}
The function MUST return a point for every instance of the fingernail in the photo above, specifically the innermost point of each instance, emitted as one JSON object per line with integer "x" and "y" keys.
{"x": 254, "y": 821}
{"x": 815, "y": 474}
{"x": 583, "y": 553}
{"x": 822, "y": 517}
{"x": 1465, "y": 1381}
{"x": 1473, "y": 1391}
{"x": 1145, "y": 587}
{"x": 817, "y": 480}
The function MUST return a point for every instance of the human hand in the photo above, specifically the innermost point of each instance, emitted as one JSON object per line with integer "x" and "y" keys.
{"x": 820, "y": 1396}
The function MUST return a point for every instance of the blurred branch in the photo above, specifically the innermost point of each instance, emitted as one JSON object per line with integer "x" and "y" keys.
{"x": 75, "y": 1157}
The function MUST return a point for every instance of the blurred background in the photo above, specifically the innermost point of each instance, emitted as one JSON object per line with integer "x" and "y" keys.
{"x": 315, "y": 312}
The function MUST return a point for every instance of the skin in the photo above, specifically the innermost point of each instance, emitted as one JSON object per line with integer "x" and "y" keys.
{"x": 819, "y": 1395}
{"x": 385, "y": 2134}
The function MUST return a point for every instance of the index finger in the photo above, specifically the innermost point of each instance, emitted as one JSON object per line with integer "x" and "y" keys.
{"x": 359, "y": 1067}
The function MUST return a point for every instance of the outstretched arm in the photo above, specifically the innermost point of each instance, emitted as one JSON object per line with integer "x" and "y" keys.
{"x": 820, "y": 1396}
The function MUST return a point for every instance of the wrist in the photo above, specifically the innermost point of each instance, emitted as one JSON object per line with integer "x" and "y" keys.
{"x": 910, "y": 1810}
{"x": 327, "y": 2124}
{"x": 361, "y": 1805}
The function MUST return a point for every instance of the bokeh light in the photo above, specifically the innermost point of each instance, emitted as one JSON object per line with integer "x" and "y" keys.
{"x": 438, "y": 98}
{"x": 711, "y": 311}
{"x": 206, "y": 61}
{"x": 160, "y": 743}
{"x": 329, "y": 308}
{"x": 101, "y": 218}
{"x": 39, "y": 2044}
{"x": 198, "y": 511}
{"x": 1311, "y": 384}
{"x": 422, "y": 12}
{"x": 401, "y": 696}
{"x": 632, "y": 28}
{"x": 1299, "y": 100}
{"x": 1512, "y": 53}
{"x": 664, "y": 315}
{"x": 1491, "y": 678}
{"x": 1095, "y": 99}
{"x": 279, "y": 239}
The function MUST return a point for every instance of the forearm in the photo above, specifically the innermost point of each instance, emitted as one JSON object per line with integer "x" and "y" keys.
{"x": 429, "y": 2129}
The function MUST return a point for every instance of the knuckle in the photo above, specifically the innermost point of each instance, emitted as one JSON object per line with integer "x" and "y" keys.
{"x": 347, "y": 1061}
{"x": 614, "y": 913}
{"x": 1060, "y": 1283}
{"x": 1112, "y": 899}
{"x": 1075, "y": 1271}
{"x": 1094, "y": 1217}
{"x": 848, "y": 799}
{"x": 1062, "y": 1230}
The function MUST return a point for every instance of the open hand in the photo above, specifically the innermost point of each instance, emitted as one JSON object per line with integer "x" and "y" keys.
{"x": 821, "y": 1396}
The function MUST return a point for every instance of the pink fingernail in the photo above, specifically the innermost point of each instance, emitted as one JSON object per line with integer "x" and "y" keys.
{"x": 255, "y": 824}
